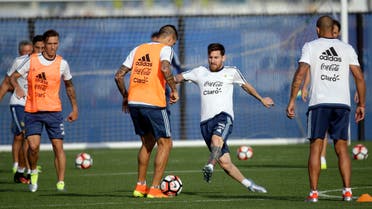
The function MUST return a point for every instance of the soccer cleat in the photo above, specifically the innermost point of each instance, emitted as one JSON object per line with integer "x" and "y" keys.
{"x": 207, "y": 172}
{"x": 60, "y": 186}
{"x": 256, "y": 188}
{"x": 313, "y": 197}
{"x": 323, "y": 166}
{"x": 156, "y": 193}
{"x": 33, "y": 183}
{"x": 140, "y": 190}
{"x": 347, "y": 196}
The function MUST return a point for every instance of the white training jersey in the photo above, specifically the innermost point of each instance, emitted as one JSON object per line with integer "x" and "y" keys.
{"x": 21, "y": 81}
{"x": 64, "y": 69}
{"x": 166, "y": 54}
{"x": 216, "y": 89}
{"x": 329, "y": 61}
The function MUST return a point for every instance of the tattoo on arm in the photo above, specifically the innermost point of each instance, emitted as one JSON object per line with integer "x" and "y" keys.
{"x": 119, "y": 79}
{"x": 165, "y": 68}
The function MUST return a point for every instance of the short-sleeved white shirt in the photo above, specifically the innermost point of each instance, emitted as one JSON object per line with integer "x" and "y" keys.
{"x": 64, "y": 69}
{"x": 19, "y": 61}
{"x": 216, "y": 89}
{"x": 166, "y": 54}
{"x": 329, "y": 61}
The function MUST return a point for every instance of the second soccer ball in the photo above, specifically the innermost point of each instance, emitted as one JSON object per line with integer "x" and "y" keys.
{"x": 244, "y": 152}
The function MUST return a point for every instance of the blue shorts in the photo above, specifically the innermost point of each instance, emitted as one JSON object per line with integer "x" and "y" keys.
{"x": 18, "y": 119}
{"x": 53, "y": 122}
{"x": 148, "y": 119}
{"x": 220, "y": 125}
{"x": 333, "y": 120}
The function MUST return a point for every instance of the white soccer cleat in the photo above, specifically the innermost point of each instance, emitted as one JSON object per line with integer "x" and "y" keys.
{"x": 32, "y": 187}
{"x": 207, "y": 172}
{"x": 256, "y": 188}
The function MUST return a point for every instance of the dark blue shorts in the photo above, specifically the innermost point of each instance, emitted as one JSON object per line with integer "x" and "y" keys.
{"x": 53, "y": 122}
{"x": 220, "y": 125}
{"x": 18, "y": 118}
{"x": 335, "y": 121}
{"x": 148, "y": 119}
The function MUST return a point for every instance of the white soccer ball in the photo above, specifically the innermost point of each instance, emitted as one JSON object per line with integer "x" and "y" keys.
{"x": 360, "y": 152}
{"x": 244, "y": 152}
{"x": 171, "y": 185}
{"x": 83, "y": 160}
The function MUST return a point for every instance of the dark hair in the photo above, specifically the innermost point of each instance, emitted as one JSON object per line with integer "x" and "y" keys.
{"x": 154, "y": 35}
{"x": 49, "y": 33}
{"x": 325, "y": 22}
{"x": 23, "y": 43}
{"x": 37, "y": 38}
{"x": 216, "y": 47}
{"x": 168, "y": 30}
{"x": 337, "y": 23}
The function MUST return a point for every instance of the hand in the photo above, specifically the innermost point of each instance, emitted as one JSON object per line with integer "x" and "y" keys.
{"x": 20, "y": 93}
{"x": 72, "y": 116}
{"x": 359, "y": 113}
{"x": 291, "y": 111}
{"x": 267, "y": 102}
{"x": 173, "y": 97}
{"x": 304, "y": 94}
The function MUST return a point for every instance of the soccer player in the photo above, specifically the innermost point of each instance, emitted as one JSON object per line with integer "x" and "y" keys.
{"x": 150, "y": 67}
{"x": 323, "y": 161}
{"x": 43, "y": 105}
{"x": 330, "y": 62}
{"x": 216, "y": 91}
{"x": 16, "y": 108}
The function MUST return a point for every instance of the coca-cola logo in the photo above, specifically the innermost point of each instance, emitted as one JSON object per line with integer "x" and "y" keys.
{"x": 330, "y": 67}
{"x": 142, "y": 71}
{"x": 213, "y": 84}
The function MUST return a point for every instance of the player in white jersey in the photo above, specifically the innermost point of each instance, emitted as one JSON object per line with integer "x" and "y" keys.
{"x": 304, "y": 94}
{"x": 216, "y": 85}
{"x": 24, "y": 49}
{"x": 330, "y": 62}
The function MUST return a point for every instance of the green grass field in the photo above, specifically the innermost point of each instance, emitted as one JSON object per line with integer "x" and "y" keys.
{"x": 109, "y": 183}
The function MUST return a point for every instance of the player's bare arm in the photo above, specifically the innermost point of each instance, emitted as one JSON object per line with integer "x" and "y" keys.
{"x": 166, "y": 70}
{"x": 120, "y": 83}
{"x": 5, "y": 87}
{"x": 361, "y": 89}
{"x": 304, "y": 90}
{"x": 70, "y": 91}
{"x": 266, "y": 101}
{"x": 13, "y": 80}
{"x": 295, "y": 87}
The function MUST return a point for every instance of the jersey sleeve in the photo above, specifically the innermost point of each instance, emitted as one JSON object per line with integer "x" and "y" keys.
{"x": 65, "y": 71}
{"x": 129, "y": 60}
{"x": 305, "y": 54}
{"x": 166, "y": 54}
{"x": 353, "y": 57}
{"x": 191, "y": 75}
{"x": 238, "y": 77}
{"x": 23, "y": 67}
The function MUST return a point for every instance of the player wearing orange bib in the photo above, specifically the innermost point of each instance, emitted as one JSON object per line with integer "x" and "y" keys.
{"x": 149, "y": 65}
{"x": 43, "y": 106}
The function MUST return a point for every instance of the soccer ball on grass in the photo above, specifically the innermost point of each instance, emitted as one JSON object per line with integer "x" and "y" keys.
{"x": 171, "y": 185}
{"x": 244, "y": 152}
{"x": 83, "y": 160}
{"x": 360, "y": 152}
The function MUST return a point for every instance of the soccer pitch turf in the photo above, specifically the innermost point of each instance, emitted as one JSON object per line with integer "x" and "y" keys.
{"x": 110, "y": 181}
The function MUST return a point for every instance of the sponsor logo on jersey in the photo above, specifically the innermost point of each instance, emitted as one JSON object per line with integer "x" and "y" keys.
{"x": 330, "y": 55}
{"x": 144, "y": 61}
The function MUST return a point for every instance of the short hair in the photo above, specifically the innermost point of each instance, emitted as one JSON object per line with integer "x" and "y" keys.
{"x": 154, "y": 35}
{"x": 23, "y": 43}
{"x": 37, "y": 38}
{"x": 216, "y": 47}
{"x": 167, "y": 30}
{"x": 337, "y": 23}
{"x": 325, "y": 22}
{"x": 49, "y": 33}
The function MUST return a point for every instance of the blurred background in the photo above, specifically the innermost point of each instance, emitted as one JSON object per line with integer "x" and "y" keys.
{"x": 263, "y": 38}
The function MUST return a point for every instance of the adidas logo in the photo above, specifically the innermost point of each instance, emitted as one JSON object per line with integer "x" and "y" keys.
{"x": 41, "y": 76}
{"x": 330, "y": 55}
{"x": 144, "y": 61}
